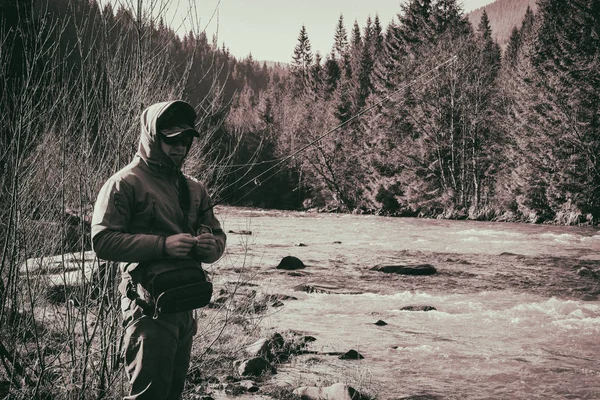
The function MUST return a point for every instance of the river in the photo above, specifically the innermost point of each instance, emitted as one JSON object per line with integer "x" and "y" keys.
{"x": 516, "y": 316}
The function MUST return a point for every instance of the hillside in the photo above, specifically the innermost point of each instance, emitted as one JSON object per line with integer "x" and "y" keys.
{"x": 504, "y": 15}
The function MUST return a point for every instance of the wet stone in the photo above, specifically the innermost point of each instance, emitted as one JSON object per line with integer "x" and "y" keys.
{"x": 290, "y": 263}
{"x": 417, "y": 269}
{"x": 418, "y": 308}
{"x": 351, "y": 355}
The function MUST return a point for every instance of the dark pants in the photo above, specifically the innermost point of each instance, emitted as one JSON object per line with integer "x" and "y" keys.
{"x": 157, "y": 352}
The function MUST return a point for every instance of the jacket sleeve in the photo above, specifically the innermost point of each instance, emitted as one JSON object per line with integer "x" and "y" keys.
{"x": 110, "y": 224}
{"x": 208, "y": 218}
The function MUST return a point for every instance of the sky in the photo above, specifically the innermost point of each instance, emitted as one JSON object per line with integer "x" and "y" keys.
{"x": 268, "y": 29}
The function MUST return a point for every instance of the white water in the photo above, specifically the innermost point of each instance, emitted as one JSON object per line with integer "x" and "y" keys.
{"x": 481, "y": 343}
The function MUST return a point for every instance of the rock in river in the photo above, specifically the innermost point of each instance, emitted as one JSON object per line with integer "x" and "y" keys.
{"x": 291, "y": 263}
{"x": 417, "y": 269}
{"x": 351, "y": 355}
{"x": 418, "y": 308}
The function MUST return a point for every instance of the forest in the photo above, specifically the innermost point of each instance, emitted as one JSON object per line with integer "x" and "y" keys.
{"x": 426, "y": 117}
{"x": 450, "y": 125}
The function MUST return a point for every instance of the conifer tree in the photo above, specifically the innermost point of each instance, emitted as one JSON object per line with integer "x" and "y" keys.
{"x": 340, "y": 40}
{"x": 332, "y": 74}
{"x": 448, "y": 16}
{"x": 363, "y": 85}
{"x": 566, "y": 56}
{"x": 378, "y": 38}
{"x": 356, "y": 44}
{"x": 302, "y": 60}
{"x": 512, "y": 48}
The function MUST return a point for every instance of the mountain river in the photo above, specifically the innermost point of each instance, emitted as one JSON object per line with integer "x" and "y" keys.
{"x": 516, "y": 316}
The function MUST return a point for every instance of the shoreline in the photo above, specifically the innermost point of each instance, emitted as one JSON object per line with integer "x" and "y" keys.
{"x": 452, "y": 215}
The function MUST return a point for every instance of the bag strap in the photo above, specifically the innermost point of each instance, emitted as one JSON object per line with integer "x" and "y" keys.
{"x": 184, "y": 200}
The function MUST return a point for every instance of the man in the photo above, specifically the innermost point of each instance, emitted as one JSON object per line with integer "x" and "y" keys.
{"x": 150, "y": 214}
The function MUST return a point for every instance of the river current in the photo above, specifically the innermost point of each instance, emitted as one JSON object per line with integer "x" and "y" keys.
{"x": 516, "y": 315}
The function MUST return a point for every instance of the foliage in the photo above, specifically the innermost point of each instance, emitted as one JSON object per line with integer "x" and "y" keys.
{"x": 451, "y": 126}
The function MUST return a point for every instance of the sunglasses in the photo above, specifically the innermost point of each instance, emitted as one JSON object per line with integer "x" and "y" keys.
{"x": 182, "y": 140}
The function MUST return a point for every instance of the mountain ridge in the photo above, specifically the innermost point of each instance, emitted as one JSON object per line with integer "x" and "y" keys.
{"x": 504, "y": 15}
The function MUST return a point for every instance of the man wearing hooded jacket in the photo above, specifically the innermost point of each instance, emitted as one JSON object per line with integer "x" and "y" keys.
{"x": 139, "y": 218}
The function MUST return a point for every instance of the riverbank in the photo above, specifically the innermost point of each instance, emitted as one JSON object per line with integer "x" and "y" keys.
{"x": 564, "y": 217}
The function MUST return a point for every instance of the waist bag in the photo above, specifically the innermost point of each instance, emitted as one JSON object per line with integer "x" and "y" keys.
{"x": 172, "y": 286}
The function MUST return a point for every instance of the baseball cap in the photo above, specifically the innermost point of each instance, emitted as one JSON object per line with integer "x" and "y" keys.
{"x": 178, "y": 118}
{"x": 174, "y": 130}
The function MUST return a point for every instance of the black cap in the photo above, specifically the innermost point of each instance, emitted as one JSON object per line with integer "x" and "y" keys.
{"x": 178, "y": 118}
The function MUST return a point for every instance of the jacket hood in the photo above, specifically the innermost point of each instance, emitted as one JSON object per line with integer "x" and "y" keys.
{"x": 149, "y": 148}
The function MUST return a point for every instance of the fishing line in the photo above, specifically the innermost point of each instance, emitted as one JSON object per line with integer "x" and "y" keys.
{"x": 256, "y": 179}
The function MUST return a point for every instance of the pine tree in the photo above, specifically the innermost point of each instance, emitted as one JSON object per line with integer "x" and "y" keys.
{"x": 340, "y": 40}
{"x": 378, "y": 38}
{"x": 302, "y": 60}
{"x": 512, "y": 48}
{"x": 332, "y": 73}
{"x": 490, "y": 49}
{"x": 567, "y": 55}
{"x": 448, "y": 17}
{"x": 363, "y": 85}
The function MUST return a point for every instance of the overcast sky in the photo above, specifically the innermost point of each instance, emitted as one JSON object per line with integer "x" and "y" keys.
{"x": 269, "y": 28}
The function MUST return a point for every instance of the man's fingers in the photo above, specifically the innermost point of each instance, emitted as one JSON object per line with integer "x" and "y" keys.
{"x": 188, "y": 239}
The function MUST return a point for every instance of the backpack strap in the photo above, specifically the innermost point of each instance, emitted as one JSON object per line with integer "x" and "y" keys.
{"x": 184, "y": 201}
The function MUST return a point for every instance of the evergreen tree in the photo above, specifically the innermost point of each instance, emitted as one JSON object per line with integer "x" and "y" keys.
{"x": 448, "y": 16}
{"x": 340, "y": 40}
{"x": 566, "y": 56}
{"x": 363, "y": 85}
{"x": 512, "y": 48}
{"x": 302, "y": 60}
{"x": 490, "y": 49}
{"x": 332, "y": 74}
{"x": 378, "y": 39}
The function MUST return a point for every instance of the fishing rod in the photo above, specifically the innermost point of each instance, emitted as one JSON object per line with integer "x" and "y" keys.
{"x": 256, "y": 180}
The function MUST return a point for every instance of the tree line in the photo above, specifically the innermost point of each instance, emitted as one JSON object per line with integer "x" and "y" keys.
{"x": 465, "y": 130}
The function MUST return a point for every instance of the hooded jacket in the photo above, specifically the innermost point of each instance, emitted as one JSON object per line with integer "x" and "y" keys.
{"x": 139, "y": 206}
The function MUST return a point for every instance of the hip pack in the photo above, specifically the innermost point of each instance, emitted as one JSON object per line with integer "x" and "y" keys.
{"x": 170, "y": 286}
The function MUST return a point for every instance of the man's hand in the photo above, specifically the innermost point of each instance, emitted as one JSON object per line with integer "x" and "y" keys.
{"x": 207, "y": 249}
{"x": 179, "y": 245}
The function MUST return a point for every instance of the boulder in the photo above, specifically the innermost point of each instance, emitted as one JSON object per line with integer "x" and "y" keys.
{"x": 266, "y": 347}
{"x": 255, "y": 367}
{"x": 381, "y": 323}
{"x": 338, "y": 391}
{"x": 290, "y": 263}
{"x": 418, "y": 308}
{"x": 249, "y": 385}
{"x": 416, "y": 269}
{"x": 351, "y": 355}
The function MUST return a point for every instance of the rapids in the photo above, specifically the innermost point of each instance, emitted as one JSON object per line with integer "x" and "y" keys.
{"x": 516, "y": 317}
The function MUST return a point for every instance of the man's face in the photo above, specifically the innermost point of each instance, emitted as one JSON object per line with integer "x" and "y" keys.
{"x": 176, "y": 147}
